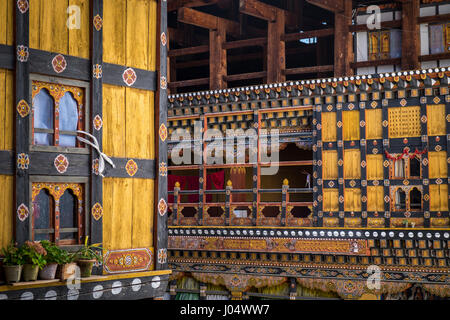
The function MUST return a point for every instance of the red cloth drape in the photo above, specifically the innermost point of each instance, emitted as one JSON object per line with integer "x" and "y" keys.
{"x": 217, "y": 179}
{"x": 191, "y": 183}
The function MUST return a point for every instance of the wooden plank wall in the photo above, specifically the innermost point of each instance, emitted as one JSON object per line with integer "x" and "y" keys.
{"x": 6, "y": 123}
{"x": 129, "y": 38}
{"x": 49, "y": 32}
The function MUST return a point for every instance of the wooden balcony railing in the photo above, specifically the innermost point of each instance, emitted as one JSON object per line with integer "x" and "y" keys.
{"x": 230, "y": 213}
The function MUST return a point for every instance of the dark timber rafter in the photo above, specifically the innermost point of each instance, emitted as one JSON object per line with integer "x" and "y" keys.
{"x": 218, "y": 29}
{"x": 276, "y": 18}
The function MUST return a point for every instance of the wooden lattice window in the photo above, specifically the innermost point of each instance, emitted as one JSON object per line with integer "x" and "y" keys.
{"x": 58, "y": 212}
{"x": 439, "y": 38}
{"x": 58, "y": 111}
{"x": 404, "y": 122}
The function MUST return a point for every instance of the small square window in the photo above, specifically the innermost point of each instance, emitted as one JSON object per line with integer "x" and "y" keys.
{"x": 59, "y": 109}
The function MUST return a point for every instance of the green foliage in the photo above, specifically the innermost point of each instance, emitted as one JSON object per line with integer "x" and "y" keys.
{"x": 33, "y": 253}
{"x": 55, "y": 254}
{"x": 13, "y": 256}
{"x": 89, "y": 252}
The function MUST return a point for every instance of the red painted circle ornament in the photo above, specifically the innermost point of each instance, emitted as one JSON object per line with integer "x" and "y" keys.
{"x": 61, "y": 163}
{"x": 23, "y": 108}
{"x": 129, "y": 77}
{"x": 59, "y": 63}
{"x": 162, "y": 207}
{"x": 22, "y": 53}
{"x": 22, "y": 212}
{"x": 97, "y": 211}
{"x": 22, "y": 5}
{"x": 131, "y": 167}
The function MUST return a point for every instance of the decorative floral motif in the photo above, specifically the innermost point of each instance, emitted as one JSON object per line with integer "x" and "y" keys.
{"x": 163, "y": 83}
{"x": 385, "y": 123}
{"x": 163, "y": 132}
{"x": 61, "y": 163}
{"x": 98, "y": 22}
{"x": 95, "y": 166}
{"x": 163, "y": 39}
{"x": 97, "y": 71}
{"x": 163, "y": 170}
{"x": 374, "y": 104}
{"x": 22, "y": 53}
{"x": 22, "y": 212}
{"x": 162, "y": 207}
{"x": 362, "y": 123}
{"x": 23, "y": 161}
{"x": 162, "y": 256}
{"x": 423, "y": 119}
{"x": 97, "y": 122}
{"x": 97, "y": 211}
{"x": 23, "y": 108}
{"x": 131, "y": 167}
{"x": 403, "y": 102}
{"x": 436, "y": 100}
{"x": 59, "y": 63}
{"x": 128, "y": 260}
{"x": 129, "y": 77}
{"x": 23, "y": 6}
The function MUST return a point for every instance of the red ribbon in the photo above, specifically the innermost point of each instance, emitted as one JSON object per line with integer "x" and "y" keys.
{"x": 405, "y": 152}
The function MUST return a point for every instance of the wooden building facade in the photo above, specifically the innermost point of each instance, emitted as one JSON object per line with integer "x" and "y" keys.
{"x": 370, "y": 132}
{"x": 69, "y": 68}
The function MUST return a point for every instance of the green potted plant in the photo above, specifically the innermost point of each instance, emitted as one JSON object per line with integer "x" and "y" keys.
{"x": 67, "y": 266}
{"x": 12, "y": 263}
{"x": 87, "y": 256}
{"x": 33, "y": 254}
{"x": 54, "y": 257}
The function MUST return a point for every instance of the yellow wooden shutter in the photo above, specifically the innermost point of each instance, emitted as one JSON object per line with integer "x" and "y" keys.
{"x": 438, "y": 197}
{"x": 352, "y": 164}
{"x": 374, "y": 166}
{"x": 375, "y": 198}
{"x": 329, "y": 165}
{"x": 330, "y": 199}
{"x": 437, "y": 164}
{"x": 329, "y": 126}
{"x": 374, "y": 129}
{"x": 352, "y": 199}
{"x": 350, "y": 120}
{"x": 404, "y": 122}
{"x": 436, "y": 120}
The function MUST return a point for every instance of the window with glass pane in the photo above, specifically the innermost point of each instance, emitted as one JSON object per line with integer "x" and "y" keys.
{"x": 57, "y": 114}
{"x": 58, "y": 212}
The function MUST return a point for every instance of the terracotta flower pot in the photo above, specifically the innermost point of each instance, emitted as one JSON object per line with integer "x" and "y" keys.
{"x": 66, "y": 270}
{"x": 86, "y": 267}
{"x": 30, "y": 272}
{"x": 48, "y": 272}
{"x": 12, "y": 273}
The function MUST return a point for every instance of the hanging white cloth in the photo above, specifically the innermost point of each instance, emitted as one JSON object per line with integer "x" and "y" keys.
{"x": 102, "y": 156}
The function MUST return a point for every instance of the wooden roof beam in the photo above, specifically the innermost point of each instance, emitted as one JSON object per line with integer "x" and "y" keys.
{"x": 173, "y": 5}
{"x": 267, "y": 12}
{"x": 207, "y": 21}
{"x": 330, "y": 5}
